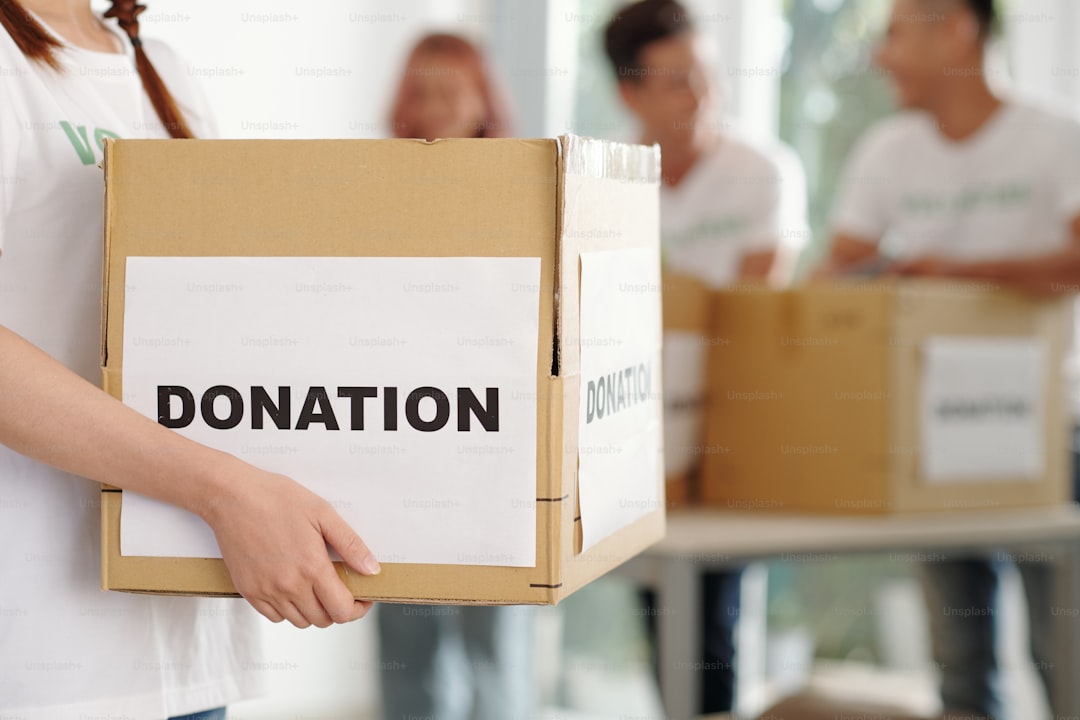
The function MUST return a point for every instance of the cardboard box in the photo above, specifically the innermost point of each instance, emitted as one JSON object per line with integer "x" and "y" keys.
{"x": 575, "y": 217}
{"x": 885, "y": 397}
{"x": 687, "y": 306}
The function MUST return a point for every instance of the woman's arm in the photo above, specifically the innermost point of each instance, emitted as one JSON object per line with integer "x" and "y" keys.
{"x": 272, "y": 531}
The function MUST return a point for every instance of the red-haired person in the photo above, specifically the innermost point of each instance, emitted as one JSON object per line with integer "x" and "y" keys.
{"x": 454, "y": 662}
{"x": 448, "y": 90}
{"x": 68, "y": 79}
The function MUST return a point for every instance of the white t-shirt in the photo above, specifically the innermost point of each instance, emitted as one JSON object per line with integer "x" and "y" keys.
{"x": 735, "y": 201}
{"x": 67, "y": 649}
{"x": 1009, "y": 191}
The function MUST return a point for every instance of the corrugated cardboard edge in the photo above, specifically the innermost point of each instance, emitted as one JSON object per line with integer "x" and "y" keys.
{"x": 107, "y": 491}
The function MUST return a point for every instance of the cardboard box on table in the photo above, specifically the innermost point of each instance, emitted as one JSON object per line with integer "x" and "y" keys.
{"x": 548, "y": 199}
{"x": 819, "y": 399}
{"x": 687, "y": 307}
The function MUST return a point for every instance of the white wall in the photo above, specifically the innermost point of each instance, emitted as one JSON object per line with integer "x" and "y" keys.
{"x": 747, "y": 36}
{"x": 275, "y": 69}
{"x": 1045, "y": 56}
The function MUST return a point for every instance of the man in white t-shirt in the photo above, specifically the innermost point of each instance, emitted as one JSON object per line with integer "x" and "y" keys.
{"x": 727, "y": 206}
{"x": 730, "y": 211}
{"x": 963, "y": 184}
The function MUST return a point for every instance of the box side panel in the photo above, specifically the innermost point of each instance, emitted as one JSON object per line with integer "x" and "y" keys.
{"x": 687, "y": 304}
{"x": 610, "y": 202}
{"x": 928, "y": 309}
{"x": 798, "y": 410}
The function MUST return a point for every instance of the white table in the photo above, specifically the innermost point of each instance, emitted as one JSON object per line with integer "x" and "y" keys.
{"x": 700, "y": 540}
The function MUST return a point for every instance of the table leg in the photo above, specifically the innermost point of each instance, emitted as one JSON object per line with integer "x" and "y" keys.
{"x": 678, "y": 600}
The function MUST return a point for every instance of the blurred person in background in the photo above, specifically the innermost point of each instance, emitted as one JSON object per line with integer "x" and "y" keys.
{"x": 68, "y": 79}
{"x": 963, "y": 183}
{"x": 731, "y": 211}
{"x": 454, "y": 662}
{"x": 448, "y": 90}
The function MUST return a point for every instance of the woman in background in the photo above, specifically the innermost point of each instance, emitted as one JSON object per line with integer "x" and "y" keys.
{"x": 454, "y": 662}
{"x": 447, "y": 90}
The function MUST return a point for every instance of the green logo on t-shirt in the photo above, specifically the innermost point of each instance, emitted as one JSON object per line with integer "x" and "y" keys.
{"x": 970, "y": 199}
{"x": 81, "y": 141}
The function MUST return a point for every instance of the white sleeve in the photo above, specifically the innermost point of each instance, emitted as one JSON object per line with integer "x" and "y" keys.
{"x": 861, "y": 206}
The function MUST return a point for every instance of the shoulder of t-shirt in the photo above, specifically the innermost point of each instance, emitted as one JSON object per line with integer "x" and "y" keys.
{"x": 15, "y": 66}
{"x": 9, "y": 51}
{"x": 11, "y": 57}
{"x": 894, "y": 134}
{"x": 1044, "y": 116}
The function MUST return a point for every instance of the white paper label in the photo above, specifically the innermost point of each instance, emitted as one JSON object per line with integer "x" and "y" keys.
{"x": 402, "y": 390}
{"x": 619, "y": 419}
{"x": 982, "y": 409}
{"x": 685, "y": 356}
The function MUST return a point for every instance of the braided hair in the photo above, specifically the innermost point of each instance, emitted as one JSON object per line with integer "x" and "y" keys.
{"x": 37, "y": 44}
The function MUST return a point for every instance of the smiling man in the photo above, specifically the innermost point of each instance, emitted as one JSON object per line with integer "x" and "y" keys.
{"x": 730, "y": 210}
{"x": 963, "y": 183}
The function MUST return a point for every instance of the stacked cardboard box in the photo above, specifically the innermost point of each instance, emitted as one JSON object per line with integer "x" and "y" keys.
{"x": 879, "y": 397}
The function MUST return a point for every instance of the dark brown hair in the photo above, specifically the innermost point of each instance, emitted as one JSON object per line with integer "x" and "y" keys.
{"x": 986, "y": 15}
{"x": 37, "y": 44}
{"x": 638, "y": 25}
{"x": 985, "y": 12}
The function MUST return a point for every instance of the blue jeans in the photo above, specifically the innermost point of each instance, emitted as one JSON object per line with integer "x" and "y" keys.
{"x": 721, "y": 605}
{"x": 962, "y": 603}
{"x": 457, "y": 663}
{"x": 961, "y": 598}
{"x": 216, "y": 714}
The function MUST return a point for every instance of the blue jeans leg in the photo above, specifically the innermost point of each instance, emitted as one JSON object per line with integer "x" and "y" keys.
{"x": 215, "y": 714}
{"x": 721, "y": 603}
{"x": 500, "y": 647}
{"x": 961, "y": 602}
{"x": 409, "y": 639}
